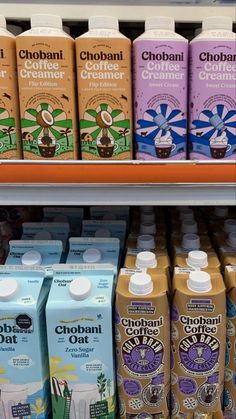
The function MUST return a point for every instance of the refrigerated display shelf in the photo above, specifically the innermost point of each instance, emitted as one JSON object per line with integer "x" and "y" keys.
{"x": 117, "y": 183}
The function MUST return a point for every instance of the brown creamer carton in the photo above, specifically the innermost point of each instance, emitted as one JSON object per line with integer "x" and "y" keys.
{"x": 227, "y": 250}
{"x": 198, "y": 334}
{"x": 145, "y": 242}
{"x": 147, "y": 261}
{"x": 142, "y": 345}
{"x": 10, "y": 145}
{"x": 103, "y": 57}
{"x": 46, "y": 76}
{"x": 230, "y": 370}
{"x": 197, "y": 260}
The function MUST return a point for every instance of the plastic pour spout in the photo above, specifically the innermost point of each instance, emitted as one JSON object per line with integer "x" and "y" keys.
{"x": 8, "y": 289}
{"x": 102, "y": 232}
{"x": 148, "y": 228}
{"x": 43, "y": 235}
{"x": 145, "y": 242}
{"x": 80, "y": 288}
{"x": 230, "y": 226}
{"x": 191, "y": 241}
{"x": 140, "y": 284}
{"x": 232, "y": 240}
{"x": 199, "y": 281}
{"x": 92, "y": 255}
{"x": 197, "y": 259}
{"x": 31, "y": 258}
{"x": 146, "y": 260}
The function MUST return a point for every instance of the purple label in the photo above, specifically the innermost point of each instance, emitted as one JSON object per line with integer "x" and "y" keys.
{"x": 117, "y": 316}
{"x": 132, "y": 387}
{"x": 160, "y": 99}
{"x": 142, "y": 355}
{"x": 174, "y": 313}
{"x": 199, "y": 353}
{"x": 187, "y": 386}
{"x": 212, "y": 100}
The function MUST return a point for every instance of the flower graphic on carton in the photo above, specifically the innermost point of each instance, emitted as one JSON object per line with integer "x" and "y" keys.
{"x": 39, "y": 407}
{"x": 62, "y": 372}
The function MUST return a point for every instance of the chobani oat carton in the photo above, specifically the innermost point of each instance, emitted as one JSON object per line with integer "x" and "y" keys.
{"x": 198, "y": 336}
{"x": 142, "y": 344}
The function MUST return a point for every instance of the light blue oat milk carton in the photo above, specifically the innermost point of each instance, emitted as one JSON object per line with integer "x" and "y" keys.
{"x": 24, "y": 376}
{"x": 105, "y": 228}
{"x": 46, "y": 231}
{"x": 79, "y": 327}
{"x": 94, "y": 250}
{"x": 44, "y": 253}
{"x": 114, "y": 213}
{"x": 71, "y": 215}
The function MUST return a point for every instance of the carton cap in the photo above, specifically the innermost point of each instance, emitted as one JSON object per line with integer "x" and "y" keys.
{"x": 217, "y": 22}
{"x": 61, "y": 218}
{"x": 189, "y": 226}
{"x": 147, "y": 216}
{"x": 109, "y": 216}
{"x": 230, "y": 225}
{"x": 191, "y": 241}
{"x": 199, "y": 281}
{"x": 102, "y": 232}
{"x": 197, "y": 259}
{"x": 146, "y": 260}
{"x": 31, "y": 258}
{"x": 103, "y": 22}
{"x": 3, "y": 23}
{"x": 232, "y": 239}
{"x": 148, "y": 228}
{"x": 43, "y": 235}
{"x": 160, "y": 22}
{"x": 46, "y": 21}
{"x": 146, "y": 241}
{"x": 80, "y": 288}
{"x": 186, "y": 214}
{"x": 8, "y": 289}
{"x": 221, "y": 211}
{"x": 92, "y": 255}
{"x": 140, "y": 284}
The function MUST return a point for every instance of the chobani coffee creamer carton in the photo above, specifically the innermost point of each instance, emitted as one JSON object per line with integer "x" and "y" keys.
{"x": 103, "y": 57}
{"x": 142, "y": 345}
{"x": 198, "y": 336}
{"x": 79, "y": 326}
{"x": 230, "y": 370}
{"x": 24, "y": 373}
{"x": 10, "y": 145}
{"x": 46, "y": 77}
{"x": 197, "y": 259}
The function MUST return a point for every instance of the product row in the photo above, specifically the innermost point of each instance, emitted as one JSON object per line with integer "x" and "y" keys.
{"x": 166, "y": 271}
{"x": 88, "y": 99}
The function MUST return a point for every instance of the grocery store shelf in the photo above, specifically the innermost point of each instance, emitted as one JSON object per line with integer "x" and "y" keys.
{"x": 131, "y": 182}
{"x": 74, "y": 11}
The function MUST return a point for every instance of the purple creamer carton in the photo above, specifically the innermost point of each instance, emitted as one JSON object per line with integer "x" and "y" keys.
{"x": 160, "y": 66}
{"x": 212, "y": 85}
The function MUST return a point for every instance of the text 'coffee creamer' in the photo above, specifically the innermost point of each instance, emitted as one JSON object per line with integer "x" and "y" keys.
{"x": 142, "y": 344}
{"x": 212, "y": 85}
{"x": 9, "y": 107}
{"x": 160, "y": 91}
{"x": 103, "y": 58}
{"x": 197, "y": 342}
{"x": 46, "y": 75}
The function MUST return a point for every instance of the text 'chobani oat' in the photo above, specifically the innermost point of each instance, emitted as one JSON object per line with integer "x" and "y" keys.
{"x": 103, "y": 58}
{"x": 46, "y": 75}
{"x": 9, "y": 106}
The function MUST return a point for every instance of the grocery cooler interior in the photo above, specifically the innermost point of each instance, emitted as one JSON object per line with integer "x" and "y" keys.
{"x": 118, "y": 209}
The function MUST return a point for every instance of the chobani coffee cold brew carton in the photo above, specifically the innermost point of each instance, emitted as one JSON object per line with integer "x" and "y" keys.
{"x": 103, "y": 57}
{"x": 189, "y": 242}
{"x": 24, "y": 379}
{"x": 147, "y": 260}
{"x": 197, "y": 259}
{"x": 79, "y": 326}
{"x": 142, "y": 345}
{"x": 227, "y": 250}
{"x": 230, "y": 370}
{"x": 46, "y": 77}
{"x": 221, "y": 234}
{"x": 198, "y": 336}
{"x": 145, "y": 242}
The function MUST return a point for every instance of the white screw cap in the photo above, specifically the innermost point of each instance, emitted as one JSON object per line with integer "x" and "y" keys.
{"x": 61, "y": 218}
{"x": 8, "y": 289}
{"x": 92, "y": 255}
{"x": 199, "y": 281}
{"x": 43, "y": 235}
{"x": 3, "y": 23}
{"x": 232, "y": 240}
{"x": 46, "y": 21}
{"x": 109, "y": 216}
{"x": 140, "y": 284}
{"x": 146, "y": 260}
{"x": 230, "y": 226}
{"x": 103, "y": 22}
{"x": 189, "y": 226}
{"x": 217, "y": 22}
{"x": 145, "y": 242}
{"x": 148, "y": 228}
{"x": 102, "y": 232}
{"x": 197, "y": 259}
{"x": 31, "y": 258}
{"x": 147, "y": 216}
{"x": 221, "y": 211}
{"x": 80, "y": 288}
{"x": 191, "y": 241}
{"x": 160, "y": 22}
{"x": 186, "y": 214}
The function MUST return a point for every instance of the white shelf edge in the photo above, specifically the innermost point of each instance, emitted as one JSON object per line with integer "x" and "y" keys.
{"x": 91, "y": 194}
{"x": 81, "y": 12}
